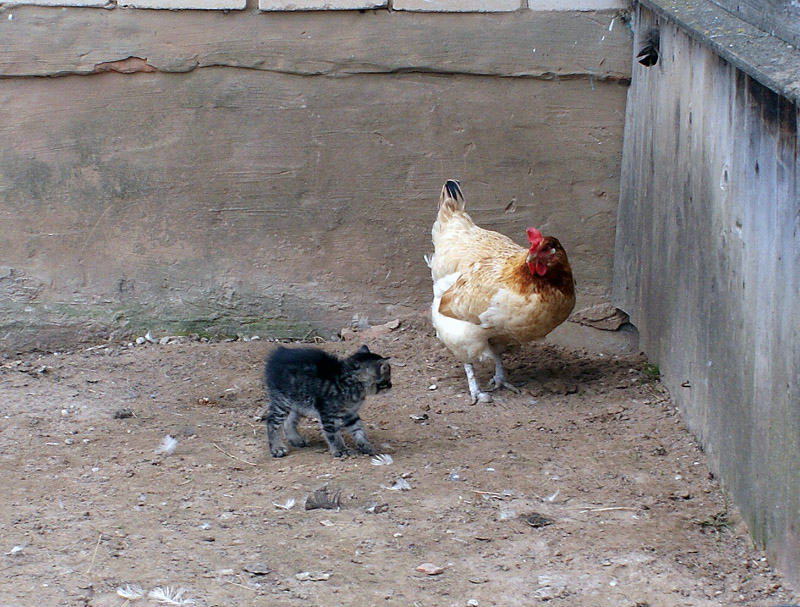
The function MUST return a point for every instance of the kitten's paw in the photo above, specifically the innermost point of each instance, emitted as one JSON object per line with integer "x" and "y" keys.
{"x": 297, "y": 442}
{"x": 366, "y": 448}
{"x": 343, "y": 453}
{"x": 279, "y": 451}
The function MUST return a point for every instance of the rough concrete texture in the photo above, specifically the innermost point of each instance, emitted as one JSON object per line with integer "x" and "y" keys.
{"x": 707, "y": 258}
{"x": 278, "y": 173}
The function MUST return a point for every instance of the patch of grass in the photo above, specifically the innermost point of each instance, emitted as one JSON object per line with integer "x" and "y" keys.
{"x": 718, "y": 522}
{"x": 651, "y": 372}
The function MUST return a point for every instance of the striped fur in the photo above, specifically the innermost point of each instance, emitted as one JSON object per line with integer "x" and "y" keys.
{"x": 308, "y": 381}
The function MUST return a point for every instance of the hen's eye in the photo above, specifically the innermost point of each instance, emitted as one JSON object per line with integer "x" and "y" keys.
{"x": 552, "y": 251}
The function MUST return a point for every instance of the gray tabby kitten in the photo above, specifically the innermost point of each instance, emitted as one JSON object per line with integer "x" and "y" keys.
{"x": 308, "y": 381}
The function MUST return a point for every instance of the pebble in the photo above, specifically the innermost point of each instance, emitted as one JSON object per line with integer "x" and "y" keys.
{"x": 257, "y": 569}
{"x": 310, "y": 576}
{"x": 429, "y": 569}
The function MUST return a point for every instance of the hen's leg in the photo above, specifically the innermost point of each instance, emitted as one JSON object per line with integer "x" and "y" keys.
{"x": 499, "y": 380}
{"x": 474, "y": 391}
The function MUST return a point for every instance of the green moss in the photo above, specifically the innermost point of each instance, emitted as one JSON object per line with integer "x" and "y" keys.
{"x": 60, "y": 325}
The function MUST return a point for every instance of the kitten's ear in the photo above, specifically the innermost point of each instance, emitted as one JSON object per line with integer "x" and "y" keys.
{"x": 363, "y": 350}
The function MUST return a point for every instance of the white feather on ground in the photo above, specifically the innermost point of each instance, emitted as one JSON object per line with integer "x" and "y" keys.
{"x": 383, "y": 459}
{"x": 400, "y": 484}
{"x": 170, "y": 596}
{"x": 131, "y": 592}
{"x": 167, "y": 446}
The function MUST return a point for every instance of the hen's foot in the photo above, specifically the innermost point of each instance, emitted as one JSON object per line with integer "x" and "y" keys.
{"x": 481, "y": 397}
{"x": 496, "y": 383}
{"x": 475, "y": 392}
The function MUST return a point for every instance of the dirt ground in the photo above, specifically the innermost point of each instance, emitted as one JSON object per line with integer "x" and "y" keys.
{"x": 584, "y": 490}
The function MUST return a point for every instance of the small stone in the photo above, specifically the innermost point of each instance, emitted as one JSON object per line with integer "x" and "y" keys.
{"x": 429, "y": 569}
{"x": 257, "y": 569}
{"x": 534, "y": 519}
{"x": 312, "y": 576}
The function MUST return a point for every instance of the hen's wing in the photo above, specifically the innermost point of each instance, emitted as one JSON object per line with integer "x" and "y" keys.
{"x": 459, "y": 244}
{"x": 480, "y": 283}
{"x": 469, "y": 262}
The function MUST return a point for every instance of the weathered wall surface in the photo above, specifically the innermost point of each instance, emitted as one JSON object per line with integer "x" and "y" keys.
{"x": 277, "y": 173}
{"x": 781, "y": 17}
{"x": 707, "y": 258}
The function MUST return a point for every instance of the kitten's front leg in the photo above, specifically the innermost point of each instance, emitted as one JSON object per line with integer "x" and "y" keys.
{"x": 356, "y": 430}
{"x": 332, "y": 434}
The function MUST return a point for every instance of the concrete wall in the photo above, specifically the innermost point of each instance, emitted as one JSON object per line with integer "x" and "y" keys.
{"x": 707, "y": 258}
{"x": 278, "y": 172}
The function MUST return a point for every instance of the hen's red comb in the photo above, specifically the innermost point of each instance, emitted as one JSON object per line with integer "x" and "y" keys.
{"x": 534, "y": 237}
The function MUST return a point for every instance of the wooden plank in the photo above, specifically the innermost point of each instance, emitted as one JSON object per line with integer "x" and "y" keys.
{"x": 51, "y": 42}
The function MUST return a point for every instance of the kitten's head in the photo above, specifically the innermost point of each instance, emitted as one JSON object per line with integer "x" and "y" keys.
{"x": 374, "y": 371}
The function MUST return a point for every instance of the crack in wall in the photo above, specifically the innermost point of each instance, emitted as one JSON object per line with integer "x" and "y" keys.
{"x": 137, "y": 65}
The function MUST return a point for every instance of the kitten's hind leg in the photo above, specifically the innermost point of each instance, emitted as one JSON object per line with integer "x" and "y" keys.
{"x": 290, "y": 429}
{"x": 356, "y": 430}
{"x": 275, "y": 420}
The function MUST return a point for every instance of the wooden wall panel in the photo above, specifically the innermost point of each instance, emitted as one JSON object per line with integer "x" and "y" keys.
{"x": 707, "y": 251}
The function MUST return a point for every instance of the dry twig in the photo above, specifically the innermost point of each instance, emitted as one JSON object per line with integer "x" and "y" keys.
{"x": 240, "y": 585}
{"x": 94, "y": 556}
{"x": 244, "y": 461}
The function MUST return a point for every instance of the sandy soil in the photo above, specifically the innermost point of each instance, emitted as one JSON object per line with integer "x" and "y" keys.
{"x": 585, "y": 489}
